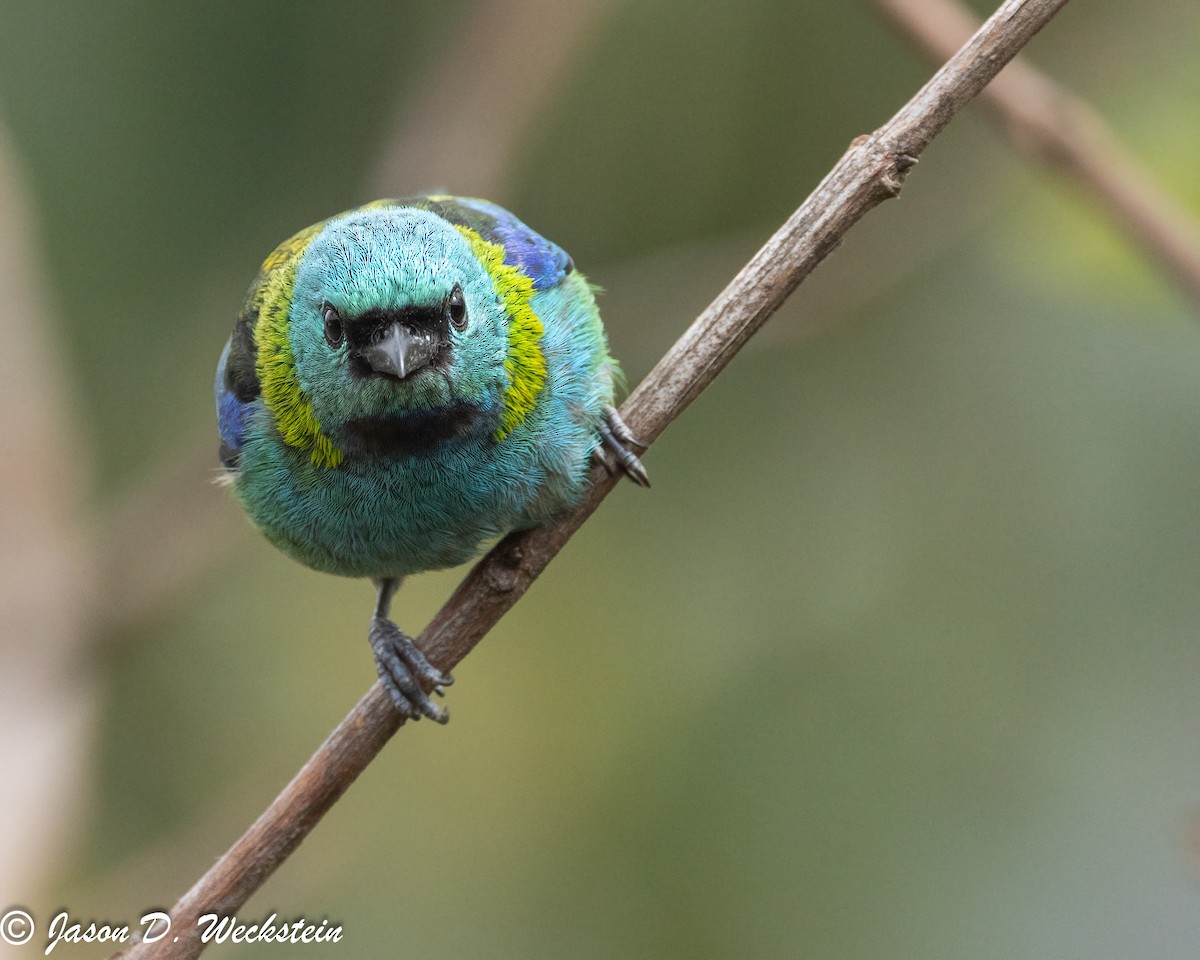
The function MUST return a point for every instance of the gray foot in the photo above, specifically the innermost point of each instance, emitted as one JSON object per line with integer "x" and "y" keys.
{"x": 403, "y": 669}
{"x": 615, "y": 439}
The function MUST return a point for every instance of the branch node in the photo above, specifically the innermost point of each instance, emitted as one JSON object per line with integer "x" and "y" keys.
{"x": 504, "y": 576}
{"x": 895, "y": 170}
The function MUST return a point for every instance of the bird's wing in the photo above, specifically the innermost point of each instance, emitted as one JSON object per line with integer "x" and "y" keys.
{"x": 545, "y": 263}
{"x": 233, "y": 410}
{"x": 237, "y": 386}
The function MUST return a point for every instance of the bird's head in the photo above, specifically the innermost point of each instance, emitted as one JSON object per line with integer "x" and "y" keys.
{"x": 393, "y": 316}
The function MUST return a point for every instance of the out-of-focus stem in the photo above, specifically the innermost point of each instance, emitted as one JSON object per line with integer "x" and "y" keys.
{"x": 1059, "y": 128}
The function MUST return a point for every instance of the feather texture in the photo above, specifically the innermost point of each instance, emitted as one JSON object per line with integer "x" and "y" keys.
{"x": 363, "y": 473}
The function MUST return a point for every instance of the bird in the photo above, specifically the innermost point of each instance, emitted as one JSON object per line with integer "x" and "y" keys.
{"x": 406, "y": 382}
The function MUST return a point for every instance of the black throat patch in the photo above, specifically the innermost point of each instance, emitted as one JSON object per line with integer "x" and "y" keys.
{"x": 409, "y": 434}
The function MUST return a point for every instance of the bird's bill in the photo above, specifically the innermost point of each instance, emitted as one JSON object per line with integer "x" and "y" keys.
{"x": 402, "y": 350}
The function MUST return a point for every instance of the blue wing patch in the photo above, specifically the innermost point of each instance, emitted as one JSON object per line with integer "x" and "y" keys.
{"x": 232, "y": 415}
{"x": 545, "y": 263}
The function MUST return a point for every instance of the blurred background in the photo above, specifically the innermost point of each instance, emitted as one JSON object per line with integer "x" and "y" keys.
{"x": 899, "y": 655}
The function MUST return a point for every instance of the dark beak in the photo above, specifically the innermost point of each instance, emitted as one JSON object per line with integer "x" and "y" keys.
{"x": 403, "y": 350}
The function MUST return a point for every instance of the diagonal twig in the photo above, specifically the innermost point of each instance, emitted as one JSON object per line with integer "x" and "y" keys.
{"x": 1058, "y": 127}
{"x": 871, "y": 171}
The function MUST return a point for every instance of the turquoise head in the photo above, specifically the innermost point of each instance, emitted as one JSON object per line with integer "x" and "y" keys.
{"x": 394, "y": 320}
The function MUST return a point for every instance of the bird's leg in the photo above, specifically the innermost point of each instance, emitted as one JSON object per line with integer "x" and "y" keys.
{"x": 616, "y": 439}
{"x": 402, "y": 667}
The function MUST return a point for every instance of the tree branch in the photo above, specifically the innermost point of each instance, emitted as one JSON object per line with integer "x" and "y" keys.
{"x": 871, "y": 171}
{"x": 1043, "y": 119}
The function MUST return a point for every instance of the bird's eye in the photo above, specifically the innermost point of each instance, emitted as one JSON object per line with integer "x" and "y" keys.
{"x": 333, "y": 326}
{"x": 456, "y": 307}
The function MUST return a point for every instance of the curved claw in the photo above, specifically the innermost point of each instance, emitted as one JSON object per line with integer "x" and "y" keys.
{"x": 405, "y": 672}
{"x": 616, "y": 438}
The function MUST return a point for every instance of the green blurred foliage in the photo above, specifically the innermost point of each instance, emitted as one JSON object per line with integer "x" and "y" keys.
{"x": 899, "y": 655}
